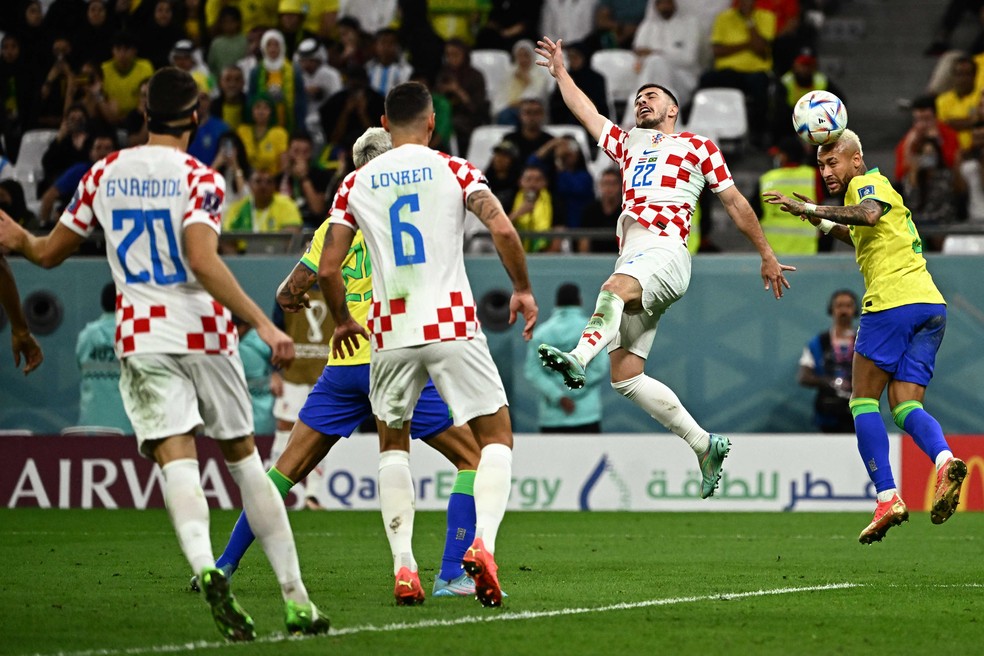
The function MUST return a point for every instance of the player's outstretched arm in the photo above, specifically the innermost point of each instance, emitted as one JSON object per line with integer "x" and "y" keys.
{"x": 808, "y": 211}
{"x": 48, "y": 251}
{"x": 292, "y": 293}
{"x": 338, "y": 241}
{"x": 22, "y": 342}
{"x": 575, "y": 99}
{"x": 510, "y": 248}
{"x": 201, "y": 245}
{"x": 773, "y": 273}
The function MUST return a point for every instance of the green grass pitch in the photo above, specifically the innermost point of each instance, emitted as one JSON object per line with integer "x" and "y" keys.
{"x": 106, "y": 583}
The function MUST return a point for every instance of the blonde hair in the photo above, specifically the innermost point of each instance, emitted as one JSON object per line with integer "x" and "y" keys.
{"x": 373, "y": 143}
{"x": 849, "y": 138}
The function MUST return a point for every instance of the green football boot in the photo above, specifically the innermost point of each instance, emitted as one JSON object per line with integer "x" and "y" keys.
{"x": 229, "y": 616}
{"x": 564, "y": 363}
{"x": 710, "y": 464}
{"x": 304, "y": 619}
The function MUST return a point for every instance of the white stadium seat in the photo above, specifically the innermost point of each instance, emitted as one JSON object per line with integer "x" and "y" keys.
{"x": 28, "y": 170}
{"x": 719, "y": 114}
{"x": 617, "y": 66}
{"x": 495, "y": 65}
{"x": 483, "y": 140}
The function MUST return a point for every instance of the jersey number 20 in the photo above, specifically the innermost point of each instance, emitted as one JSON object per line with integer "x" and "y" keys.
{"x": 145, "y": 220}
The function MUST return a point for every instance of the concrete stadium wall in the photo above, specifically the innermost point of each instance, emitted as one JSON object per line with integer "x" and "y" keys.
{"x": 728, "y": 349}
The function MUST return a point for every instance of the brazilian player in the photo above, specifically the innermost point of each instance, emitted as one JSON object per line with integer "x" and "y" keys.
{"x": 902, "y": 323}
{"x": 339, "y": 403}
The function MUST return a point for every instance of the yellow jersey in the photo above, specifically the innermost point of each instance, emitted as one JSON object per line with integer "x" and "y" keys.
{"x": 889, "y": 253}
{"x": 357, "y": 274}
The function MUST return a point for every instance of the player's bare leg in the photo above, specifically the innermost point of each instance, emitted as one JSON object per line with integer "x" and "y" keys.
{"x": 620, "y": 293}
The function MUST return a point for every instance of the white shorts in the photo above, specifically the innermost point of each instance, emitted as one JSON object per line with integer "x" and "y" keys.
{"x": 287, "y": 405}
{"x": 463, "y": 373}
{"x": 663, "y": 270}
{"x": 167, "y": 395}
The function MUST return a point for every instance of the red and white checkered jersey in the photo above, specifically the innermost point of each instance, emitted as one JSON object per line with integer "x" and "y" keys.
{"x": 410, "y": 204}
{"x": 663, "y": 176}
{"x": 143, "y": 198}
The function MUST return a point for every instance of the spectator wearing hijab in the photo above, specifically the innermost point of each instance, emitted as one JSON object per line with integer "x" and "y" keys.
{"x": 276, "y": 78}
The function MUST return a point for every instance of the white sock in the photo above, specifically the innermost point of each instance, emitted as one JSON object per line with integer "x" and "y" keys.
{"x": 601, "y": 328}
{"x": 268, "y": 518}
{"x": 664, "y": 406}
{"x": 396, "y": 502}
{"x": 188, "y": 509}
{"x": 493, "y": 480}
{"x": 887, "y": 495}
{"x": 942, "y": 458}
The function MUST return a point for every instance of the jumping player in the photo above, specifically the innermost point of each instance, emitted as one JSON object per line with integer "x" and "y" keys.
{"x": 903, "y": 317}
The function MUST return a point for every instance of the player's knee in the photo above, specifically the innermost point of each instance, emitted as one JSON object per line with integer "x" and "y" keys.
{"x": 628, "y": 387}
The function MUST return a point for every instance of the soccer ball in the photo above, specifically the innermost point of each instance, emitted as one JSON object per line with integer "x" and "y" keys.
{"x": 819, "y": 117}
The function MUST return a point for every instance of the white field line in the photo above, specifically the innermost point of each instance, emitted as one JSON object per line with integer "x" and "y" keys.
{"x": 493, "y": 616}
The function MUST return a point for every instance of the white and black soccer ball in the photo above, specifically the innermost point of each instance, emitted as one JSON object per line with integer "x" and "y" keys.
{"x": 819, "y": 117}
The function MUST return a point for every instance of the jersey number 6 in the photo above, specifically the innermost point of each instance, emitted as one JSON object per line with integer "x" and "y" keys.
{"x": 406, "y": 234}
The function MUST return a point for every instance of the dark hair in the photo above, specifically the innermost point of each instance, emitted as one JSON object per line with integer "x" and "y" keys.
{"x": 387, "y": 31}
{"x": 924, "y": 102}
{"x": 568, "y": 294}
{"x": 844, "y": 292}
{"x": 231, "y": 12}
{"x": 172, "y": 98}
{"x": 301, "y": 135}
{"x": 406, "y": 102}
{"x": 792, "y": 148}
{"x": 108, "y": 297}
{"x": 661, "y": 88}
{"x": 349, "y": 21}
{"x": 124, "y": 39}
{"x": 612, "y": 171}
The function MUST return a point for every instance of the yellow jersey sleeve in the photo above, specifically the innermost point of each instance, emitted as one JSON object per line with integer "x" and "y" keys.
{"x": 889, "y": 253}
{"x": 357, "y": 274}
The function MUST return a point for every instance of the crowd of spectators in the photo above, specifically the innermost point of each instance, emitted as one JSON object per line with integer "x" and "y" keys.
{"x": 288, "y": 85}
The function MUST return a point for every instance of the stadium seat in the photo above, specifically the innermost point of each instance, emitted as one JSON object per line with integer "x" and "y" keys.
{"x": 483, "y": 140}
{"x": 495, "y": 65}
{"x": 15, "y": 432}
{"x": 720, "y": 115}
{"x": 963, "y": 245}
{"x": 90, "y": 431}
{"x": 618, "y": 68}
{"x": 580, "y": 136}
{"x": 33, "y": 145}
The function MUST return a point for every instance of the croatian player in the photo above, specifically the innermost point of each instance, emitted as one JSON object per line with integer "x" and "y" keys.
{"x": 410, "y": 205}
{"x": 663, "y": 174}
{"x": 903, "y": 317}
{"x": 160, "y": 211}
{"x": 339, "y": 403}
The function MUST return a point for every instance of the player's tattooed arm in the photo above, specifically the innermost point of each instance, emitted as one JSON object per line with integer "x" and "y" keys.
{"x": 485, "y": 206}
{"x": 865, "y": 213}
{"x": 292, "y": 293}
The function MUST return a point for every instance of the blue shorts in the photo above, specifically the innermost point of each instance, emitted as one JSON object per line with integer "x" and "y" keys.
{"x": 904, "y": 340}
{"x": 339, "y": 403}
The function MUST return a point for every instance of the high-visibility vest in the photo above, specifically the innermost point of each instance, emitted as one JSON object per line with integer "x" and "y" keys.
{"x": 794, "y": 91}
{"x": 788, "y": 234}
